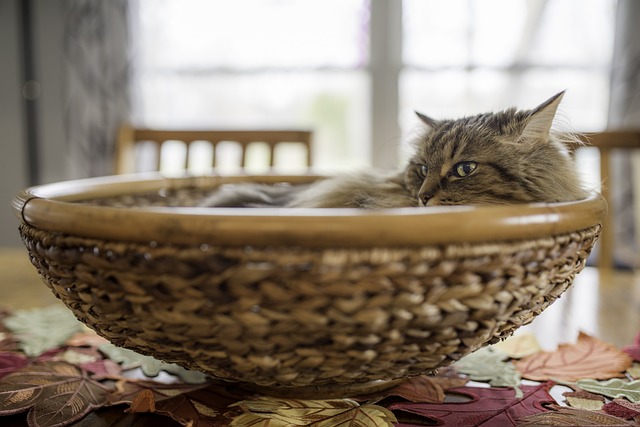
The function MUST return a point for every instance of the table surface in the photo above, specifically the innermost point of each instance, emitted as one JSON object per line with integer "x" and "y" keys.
{"x": 605, "y": 304}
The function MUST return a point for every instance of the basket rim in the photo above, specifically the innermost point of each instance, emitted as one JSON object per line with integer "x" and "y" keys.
{"x": 54, "y": 207}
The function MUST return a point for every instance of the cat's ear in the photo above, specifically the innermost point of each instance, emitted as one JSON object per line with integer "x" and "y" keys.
{"x": 432, "y": 123}
{"x": 541, "y": 118}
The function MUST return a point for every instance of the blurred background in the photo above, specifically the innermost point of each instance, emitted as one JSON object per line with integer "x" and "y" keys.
{"x": 352, "y": 71}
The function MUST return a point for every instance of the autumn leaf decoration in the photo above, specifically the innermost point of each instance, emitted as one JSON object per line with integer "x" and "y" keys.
{"x": 10, "y": 362}
{"x": 196, "y": 408}
{"x": 421, "y": 389}
{"x": 584, "y": 400}
{"x": 319, "y": 413}
{"x": 612, "y": 388}
{"x": 565, "y": 416}
{"x": 488, "y": 364}
{"x": 634, "y": 371}
{"x": 588, "y": 358}
{"x": 633, "y": 350}
{"x": 54, "y": 393}
{"x": 518, "y": 346}
{"x": 42, "y": 329}
{"x": 150, "y": 366}
{"x": 484, "y": 406}
{"x": 623, "y": 409}
{"x": 56, "y": 378}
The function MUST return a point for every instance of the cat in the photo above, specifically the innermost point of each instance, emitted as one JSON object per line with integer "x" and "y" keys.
{"x": 506, "y": 157}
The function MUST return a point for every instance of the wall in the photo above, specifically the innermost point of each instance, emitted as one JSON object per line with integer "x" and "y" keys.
{"x": 48, "y": 25}
{"x": 13, "y": 161}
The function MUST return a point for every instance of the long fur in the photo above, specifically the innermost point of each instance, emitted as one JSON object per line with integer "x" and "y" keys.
{"x": 517, "y": 158}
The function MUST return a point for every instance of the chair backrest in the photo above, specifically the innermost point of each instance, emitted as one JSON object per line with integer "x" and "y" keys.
{"x": 606, "y": 142}
{"x": 129, "y": 137}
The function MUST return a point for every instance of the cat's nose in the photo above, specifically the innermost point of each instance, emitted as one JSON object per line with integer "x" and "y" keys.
{"x": 425, "y": 197}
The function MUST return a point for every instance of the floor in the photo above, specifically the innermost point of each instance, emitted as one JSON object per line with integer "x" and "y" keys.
{"x": 605, "y": 304}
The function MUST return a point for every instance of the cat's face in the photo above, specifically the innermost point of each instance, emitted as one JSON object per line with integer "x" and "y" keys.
{"x": 495, "y": 158}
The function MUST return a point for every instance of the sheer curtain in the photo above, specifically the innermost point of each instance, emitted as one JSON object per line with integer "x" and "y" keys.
{"x": 465, "y": 57}
{"x": 257, "y": 64}
{"x": 214, "y": 63}
{"x": 96, "y": 46}
{"x": 624, "y": 113}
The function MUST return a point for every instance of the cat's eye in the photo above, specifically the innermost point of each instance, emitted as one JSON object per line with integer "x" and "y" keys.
{"x": 423, "y": 170}
{"x": 464, "y": 169}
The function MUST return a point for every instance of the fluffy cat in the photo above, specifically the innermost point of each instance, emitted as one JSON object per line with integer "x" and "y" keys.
{"x": 506, "y": 157}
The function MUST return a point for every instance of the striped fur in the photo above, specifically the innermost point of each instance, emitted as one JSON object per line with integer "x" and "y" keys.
{"x": 517, "y": 159}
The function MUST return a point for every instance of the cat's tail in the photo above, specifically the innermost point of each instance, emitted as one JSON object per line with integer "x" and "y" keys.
{"x": 252, "y": 195}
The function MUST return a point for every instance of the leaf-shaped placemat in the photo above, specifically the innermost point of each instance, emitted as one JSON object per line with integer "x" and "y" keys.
{"x": 116, "y": 416}
{"x": 613, "y": 388}
{"x": 634, "y": 371}
{"x": 448, "y": 377}
{"x": 54, "y": 393}
{"x": 194, "y": 409}
{"x": 78, "y": 356}
{"x": 40, "y": 329}
{"x": 584, "y": 400}
{"x": 150, "y": 367}
{"x": 127, "y": 390}
{"x": 519, "y": 346}
{"x": 588, "y": 358}
{"x": 7, "y": 342}
{"x": 623, "y": 409}
{"x": 417, "y": 389}
{"x": 86, "y": 338}
{"x": 4, "y": 312}
{"x": 11, "y": 361}
{"x": 267, "y": 411}
{"x": 420, "y": 389}
{"x": 633, "y": 350}
{"x": 102, "y": 369}
{"x": 565, "y": 416}
{"x": 488, "y": 364}
{"x": 487, "y": 407}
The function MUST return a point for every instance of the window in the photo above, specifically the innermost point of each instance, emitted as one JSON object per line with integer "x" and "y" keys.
{"x": 258, "y": 63}
{"x": 312, "y": 63}
{"x": 462, "y": 57}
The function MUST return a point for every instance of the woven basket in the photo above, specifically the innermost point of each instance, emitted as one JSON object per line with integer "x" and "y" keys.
{"x": 323, "y": 301}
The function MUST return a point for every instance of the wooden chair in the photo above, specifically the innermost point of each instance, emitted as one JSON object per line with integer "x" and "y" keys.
{"x": 129, "y": 137}
{"x": 606, "y": 142}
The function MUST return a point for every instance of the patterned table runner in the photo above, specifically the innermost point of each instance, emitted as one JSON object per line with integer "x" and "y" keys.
{"x": 56, "y": 372}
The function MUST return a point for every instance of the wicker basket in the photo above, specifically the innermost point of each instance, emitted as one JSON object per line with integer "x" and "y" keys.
{"x": 301, "y": 300}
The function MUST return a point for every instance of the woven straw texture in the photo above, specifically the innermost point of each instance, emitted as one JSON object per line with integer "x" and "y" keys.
{"x": 297, "y": 316}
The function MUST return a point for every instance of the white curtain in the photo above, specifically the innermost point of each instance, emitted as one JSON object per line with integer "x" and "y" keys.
{"x": 624, "y": 113}
{"x": 96, "y": 47}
